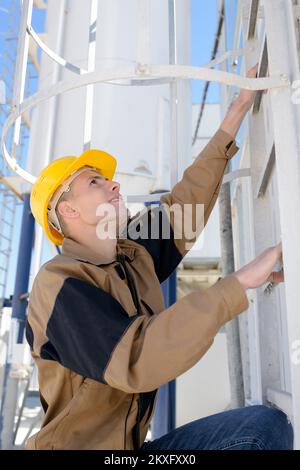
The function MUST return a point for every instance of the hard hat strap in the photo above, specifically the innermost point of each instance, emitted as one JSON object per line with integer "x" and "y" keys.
{"x": 63, "y": 188}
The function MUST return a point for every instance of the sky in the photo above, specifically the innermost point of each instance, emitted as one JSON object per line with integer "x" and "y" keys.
{"x": 203, "y": 29}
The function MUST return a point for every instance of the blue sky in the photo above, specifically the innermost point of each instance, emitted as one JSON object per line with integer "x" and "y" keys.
{"x": 203, "y": 30}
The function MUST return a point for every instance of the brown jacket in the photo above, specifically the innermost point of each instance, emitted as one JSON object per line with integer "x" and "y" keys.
{"x": 101, "y": 336}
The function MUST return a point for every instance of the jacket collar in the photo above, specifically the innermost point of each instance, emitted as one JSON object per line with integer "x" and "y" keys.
{"x": 74, "y": 249}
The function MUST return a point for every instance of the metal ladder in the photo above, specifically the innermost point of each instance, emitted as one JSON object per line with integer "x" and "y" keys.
{"x": 266, "y": 207}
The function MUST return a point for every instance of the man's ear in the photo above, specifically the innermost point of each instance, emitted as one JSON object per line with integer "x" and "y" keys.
{"x": 65, "y": 209}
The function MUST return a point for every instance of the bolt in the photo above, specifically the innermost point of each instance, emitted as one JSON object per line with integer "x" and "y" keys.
{"x": 142, "y": 69}
{"x": 284, "y": 77}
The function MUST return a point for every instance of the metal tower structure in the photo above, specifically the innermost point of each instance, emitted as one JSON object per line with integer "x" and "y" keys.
{"x": 265, "y": 205}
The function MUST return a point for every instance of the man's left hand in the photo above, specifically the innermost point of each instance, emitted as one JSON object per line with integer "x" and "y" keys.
{"x": 246, "y": 97}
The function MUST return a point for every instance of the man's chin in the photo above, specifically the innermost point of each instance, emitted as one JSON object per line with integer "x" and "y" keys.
{"x": 113, "y": 228}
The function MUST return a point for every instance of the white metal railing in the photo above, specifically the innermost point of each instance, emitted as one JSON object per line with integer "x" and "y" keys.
{"x": 135, "y": 73}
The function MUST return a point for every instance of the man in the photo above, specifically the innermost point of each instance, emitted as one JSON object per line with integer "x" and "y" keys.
{"x": 100, "y": 335}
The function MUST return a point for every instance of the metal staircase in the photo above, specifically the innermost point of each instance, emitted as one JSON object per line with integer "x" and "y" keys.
{"x": 8, "y": 199}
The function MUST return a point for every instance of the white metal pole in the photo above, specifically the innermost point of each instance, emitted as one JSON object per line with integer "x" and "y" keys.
{"x": 235, "y": 365}
{"x": 283, "y": 59}
{"x": 144, "y": 44}
{"x": 49, "y": 131}
{"x": 52, "y": 104}
{"x": 88, "y": 124}
{"x": 251, "y": 57}
{"x": 20, "y": 70}
{"x": 173, "y": 92}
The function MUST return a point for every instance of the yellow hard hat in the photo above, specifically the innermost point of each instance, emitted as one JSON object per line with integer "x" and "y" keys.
{"x": 55, "y": 174}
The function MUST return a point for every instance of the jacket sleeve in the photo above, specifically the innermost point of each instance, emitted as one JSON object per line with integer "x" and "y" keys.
{"x": 89, "y": 332}
{"x": 169, "y": 231}
{"x": 155, "y": 350}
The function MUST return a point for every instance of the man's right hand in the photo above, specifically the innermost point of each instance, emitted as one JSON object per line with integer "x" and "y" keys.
{"x": 260, "y": 270}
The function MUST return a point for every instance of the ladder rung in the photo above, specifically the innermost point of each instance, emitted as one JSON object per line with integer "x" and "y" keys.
{"x": 7, "y": 223}
{"x": 8, "y": 208}
{"x": 5, "y": 237}
{"x": 4, "y": 252}
{"x": 7, "y": 205}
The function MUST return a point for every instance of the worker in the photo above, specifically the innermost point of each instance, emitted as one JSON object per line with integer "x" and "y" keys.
{"x": 100, "y": 335}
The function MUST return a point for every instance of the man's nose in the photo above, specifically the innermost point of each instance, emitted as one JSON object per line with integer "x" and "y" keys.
{"x": 114, "y": 185}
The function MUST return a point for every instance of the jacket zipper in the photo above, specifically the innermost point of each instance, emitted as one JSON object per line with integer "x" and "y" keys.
{"x": 131, "y": 284}
{"x": 136, "y": 429}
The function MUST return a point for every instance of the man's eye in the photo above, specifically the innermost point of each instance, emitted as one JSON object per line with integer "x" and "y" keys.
{"x": 98, "y": 179}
